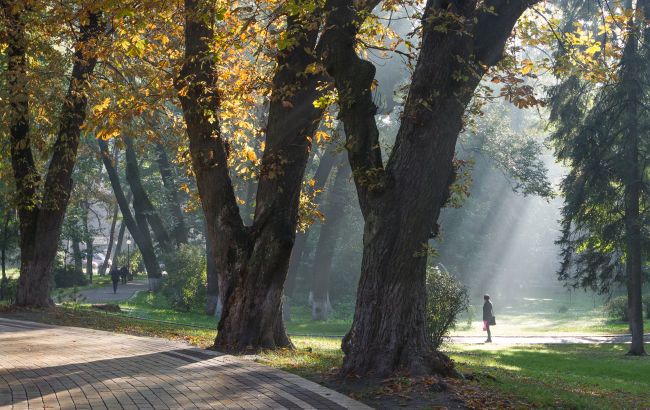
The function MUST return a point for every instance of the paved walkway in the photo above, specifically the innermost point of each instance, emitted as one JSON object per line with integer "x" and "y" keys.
{"x": 105, "y": 294}
{"x": 44, "y": 366}
{"x": 514, "y": 340}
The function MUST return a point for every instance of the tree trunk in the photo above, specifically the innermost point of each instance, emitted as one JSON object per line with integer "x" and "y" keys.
{"x": 41, "y": 219}
{"x": 325, "y": 165}
{"x": 145, "y": 213}
{"x": 88, "y": 240}
{"x": 402, "y": 202}
{"x": 118, "y": 246}
{"x": 77, "y": 257}
{"x": 631, "y": 66}
{"x": 142, "y": 237}
{"x": 322, "y": 268}
{"x": 164, "y": 166}
{"x": 111, "y": 238}
{"x": 213, "y": 305}
{"x": 252, "y": 261}
{"x": 3, "y": 254}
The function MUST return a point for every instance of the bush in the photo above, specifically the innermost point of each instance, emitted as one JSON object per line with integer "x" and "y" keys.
{"x": 8, "y": 289}
{"x": 563, "y": 309}
{"x": 134, "y": 259}
{"x": 616, "y": 309}
{"x": 185, "y": 285}
{"x": 446, "y": 298}
{"x": 67, "y": 277}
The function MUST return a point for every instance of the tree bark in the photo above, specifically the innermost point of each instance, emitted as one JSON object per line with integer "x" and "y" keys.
{"x": 3, "y": 254}
{"x": 325, "y": 165}
{"x": 120, "y": 239}
{"x": 41, "y": 220}
{"x": 322, "y": 268}
{"x": 631, "y": 66}
{"x": 252, "y": 261}
{"x": 179, "y": 230}
{"x": 141, "y": 237}
{"x": 111, "y": 238}
{"x": 88, "y": 240}
{"x": 401, "y": 203}
{"x": 77, "y": 257}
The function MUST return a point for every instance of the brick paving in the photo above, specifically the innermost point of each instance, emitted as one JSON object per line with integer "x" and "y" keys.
{"x": 43, "y": 366}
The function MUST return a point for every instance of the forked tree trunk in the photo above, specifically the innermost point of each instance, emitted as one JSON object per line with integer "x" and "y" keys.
{"x": 141, "y": 237}
{"x": 401, "y": 202}
{"x": 251, "y": 261}
{"x": 322, "y": 268}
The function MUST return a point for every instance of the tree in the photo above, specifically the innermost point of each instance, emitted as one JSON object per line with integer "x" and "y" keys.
{"x": 138, "y": 228}
{"x": 251, "y": 260}
{"x": 602, "y": 134}
{"x": 401, "y": 200}
{"x": 334, "y": 212}
{"x": 42, "y": 204}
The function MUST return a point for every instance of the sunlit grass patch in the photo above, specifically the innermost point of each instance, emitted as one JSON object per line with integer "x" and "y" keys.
{"x": 574, "y": 376}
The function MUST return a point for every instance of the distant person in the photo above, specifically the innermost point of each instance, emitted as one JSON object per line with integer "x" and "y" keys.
{"x": 124, "y": 272}
{"x": 115, "y": 277}
{"x": 488, "y": 317}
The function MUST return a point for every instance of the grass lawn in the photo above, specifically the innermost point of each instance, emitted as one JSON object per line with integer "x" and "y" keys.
{"x": 531, "y": 317}
{"x": 560, "y": 376}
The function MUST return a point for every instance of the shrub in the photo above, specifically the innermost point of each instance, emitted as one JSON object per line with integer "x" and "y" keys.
{"x": 8, "y": 289}
{"x": 563, "y": 309}
{"x": 616, "y": 309}
{"x": 446, "y": 298}
{"x": 134, "y": 258}
{"x": 67, "y": 277}
{"x": 185, "y": 284}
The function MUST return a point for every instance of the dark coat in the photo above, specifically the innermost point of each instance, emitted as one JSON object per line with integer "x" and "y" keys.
{"x": 115, "y": 275}
{"x": 487, "y": 310}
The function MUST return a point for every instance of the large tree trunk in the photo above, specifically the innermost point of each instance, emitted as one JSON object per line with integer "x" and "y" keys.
{"x": 179, "y": 229}
{"x": 252, "y": 261}
{"x": 142, "y": 237}
{"x": 145, "y": 213}
{"x": 631, "y": 67}
{"x": 322, "y": 268}
{"x": 401, "y": 203}
{"x": 41, "y": 220}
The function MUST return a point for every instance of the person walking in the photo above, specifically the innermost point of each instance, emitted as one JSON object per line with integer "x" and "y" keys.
{"x": 115, "y": 277}
{"x": 488, "y": 317}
